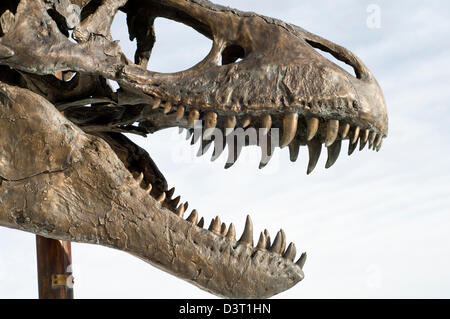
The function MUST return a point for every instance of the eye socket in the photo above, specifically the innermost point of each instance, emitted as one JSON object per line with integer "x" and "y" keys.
{"x": 232, "y": 53}
{"x": 334, "y": 57}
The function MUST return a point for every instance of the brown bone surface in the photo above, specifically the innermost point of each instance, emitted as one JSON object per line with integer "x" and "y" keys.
{"x": 67, "y": 171}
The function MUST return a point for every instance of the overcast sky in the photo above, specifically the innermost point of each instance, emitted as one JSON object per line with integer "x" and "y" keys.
{"x": 376, "y": 225}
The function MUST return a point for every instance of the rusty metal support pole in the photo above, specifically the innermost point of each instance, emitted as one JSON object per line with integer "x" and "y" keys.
{"x": 54, "y": 262}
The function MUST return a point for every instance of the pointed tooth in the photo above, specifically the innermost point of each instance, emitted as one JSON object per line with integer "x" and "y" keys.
{"x": 332, "y": 132}
{"x": 210, "y": 124}
{"x": 277, "y": 243}
{"x": 170, "y": 192}
{"x": 139, "y": 178}
{"x": 234, "y": 150}
{"x": 333, "y": 153}
{"x": 355, "y": 135}
{"x": 201, "y": 222}
{"x": 344, "y": 130}
{"x": 231, "y": 234}
{"x": 290, "y": 253}
{"x": 167, "y": 107}
{"x": 372, "y": 138}
{"x": 378, "y": 140}
{"x": 312, "y": 128}
{"x": 301, "y": 261}
{"x": 193, "y": 116}
{"x": 267, "y": 235}
{"x": 176, "y": 200}
{"x": 294, "y": 149}
{"x": 247, "y": 121}
{"x": 223, "y": 229}
{"x": 262, "y": 241}
{"x": 283, "y": 242}
{"x": 379, "y": 145}
{"x": 266, "y": 124}
{"x": 230, "y": 124}
{"x": 363, "y": 139}
{"x": 267, "y": 152}
{"x": 180, "y": 211}
{"x": 148, "y": 189}
{"x": 351, "y": 147}
{"x": 215, "y": 225}
{"x": 156, "y": 103}
{"x": 161, "y": 198}
{"x": 290, "y": 123}
{"x": 189, "y": 133}
{"x": 180, "y": 112}
{"x": 218, "y": 149}
{"x": 193, "y": 217}
{"x": 186, "y": 205}
{"x": 315, "y": 148}
{"x": 195, "y": 138}
{"x": 247, "y": 235}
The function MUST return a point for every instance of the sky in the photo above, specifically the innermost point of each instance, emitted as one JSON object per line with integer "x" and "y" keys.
{"x": 375, "y": 225}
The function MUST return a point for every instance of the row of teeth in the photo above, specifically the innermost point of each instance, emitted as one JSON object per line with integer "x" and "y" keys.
{"x": 219, "y": 228}
{"x": 335, "y": 132}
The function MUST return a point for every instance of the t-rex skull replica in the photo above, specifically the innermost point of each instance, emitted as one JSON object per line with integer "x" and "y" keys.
{"x": 67, "y": 171}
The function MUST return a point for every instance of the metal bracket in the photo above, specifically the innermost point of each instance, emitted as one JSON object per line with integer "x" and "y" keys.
{"x": 65, "y": 280}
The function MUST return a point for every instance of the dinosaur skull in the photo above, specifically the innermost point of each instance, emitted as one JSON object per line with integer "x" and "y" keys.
{"x": 67, "y": 172}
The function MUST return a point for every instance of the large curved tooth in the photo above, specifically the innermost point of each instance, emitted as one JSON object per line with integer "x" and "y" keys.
{"x": 344, "y": 130}
{"x": 351, "y": 147}
{"x": 170, "y": 192}
{"x": 312, "y": 128}
{"x": 167, "y": 107}
{"x": 156, "y": 103}
{"x": 294, "y": 149}
{"x": 218, "y": 148}
{"x": 315, "y": 148}
{"x": 363, "y": 139}
{"x": 333, "y": 153}
{"x": 247, "y": 235}
{"x": 301, "y": 261}
{"x": 180, "y": 211}
{"x": 161, "y": 197}
{"x": 215, "y": 225}
{"x": 231, "y": 234}
{"x": 267, "y": 150}
{"x": 246, "y": 122}
{"x": 180, "y": 112}
{"x": 290, "y": 253}
{"x": 266, "y": 124}
{"x": 148, "y": 189}
{"x": 201, "y": 223}
{"x": 290, "y": 123}
{"x": 332, "y": 132}
{"x": 267, "y": 235}
{"x": 223, "y": 229}
{"x": 210, "y": 124}
{"x": 278, "y": 243}
{"x": 372, "y": 138}
{"x": 230, "y": 124}
{"x": 262, "y": 241}
{"x": 193, "y": 116}
{"x": 355, "y": 135}
{"x": 234, "y": 150}
{"x": 139, "y": 178}
{"x": 193, "y": 217}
